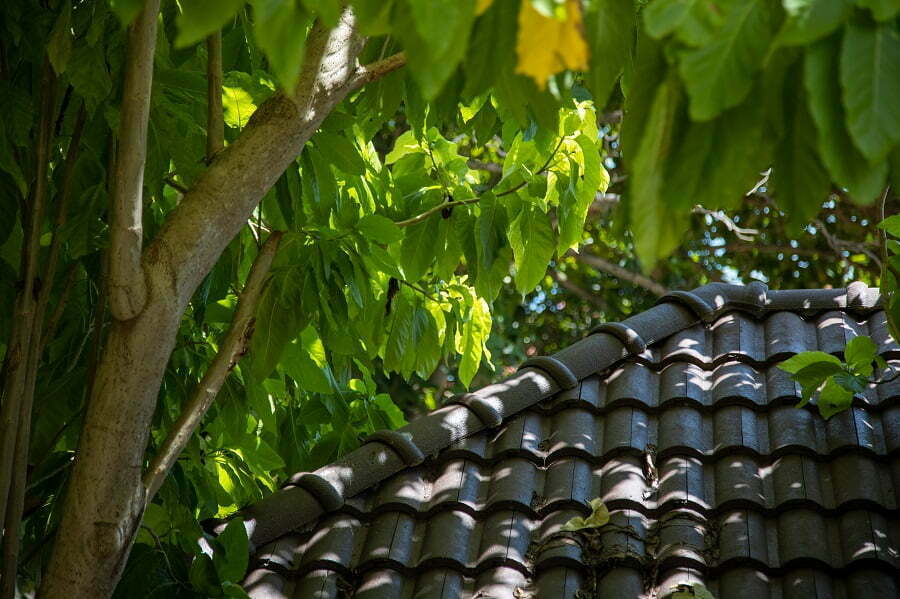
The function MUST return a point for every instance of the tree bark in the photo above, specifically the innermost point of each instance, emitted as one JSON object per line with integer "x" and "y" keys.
{"x": 106, "y": 497}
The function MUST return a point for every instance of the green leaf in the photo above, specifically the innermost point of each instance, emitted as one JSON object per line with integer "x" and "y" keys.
{"x": 810, "y": 20}
{"x": 573, "y": 214}
{"x": 860, "y": 353}
{"x": 804, "y": 359}
{"x": 280, "y": 29}
{"x": 531, "y": 237}
{"x": 275, "y": 326}
{"x": 300, "y": 366}
{"x": 328, "y": 10}
{"x": 833, "y": 399}
{"x": 609, "y": 27}
{"x": 696, "y": 590}
{"x": 234, "y": 591}
{"x": 892, "y": 225}
{"x": 848, "y": 167}
{"x": 720, "y": 74}
{"x": 474, "y": 334}
{"x": 870, "y": 79}
{"x": 799, "y": 179}
{"x": 435, "y": 36}
{"x": 200, "y": 18}
{"x": 418, "y": 248}
{"x": 653, "y": 221}
{"x": 379, "y": 228}
{"x": 203, "y": 576}
{"x": 233, "y": 564}
{"x": 241, "y": 94}
{"x": 813, "y": 375}
{"x": 393, "y": 413}
{"x": 598, "y": 517}
{"x": 88, "y": 73}
{"x": 882, "y": 10}
{"x": 662, "y": 17}
{"x": 126, "y": 10}
{"x": 490, "y": 49}
{"x": 341, "y": 152}
{"x": 59, "y": 46}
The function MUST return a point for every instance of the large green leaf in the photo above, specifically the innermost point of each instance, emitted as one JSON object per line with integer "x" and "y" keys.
{"x": 231, "y": 563}
{"x": 435, "y": 35}
{"x": 800, "y": 181}
{"x": 655, "y": 224}
{"x": 810, "y": 20}
{"x": 280, "y": 29}
{"x": 848, "y": 167}
{"x": 860, "y": 353}
{"x": 275, "y": 326}
{"x": 200, "y": 18}
{"x": 609, "y": 27}
{"x": 882, "y": 10}
{"x": 474, "y": 334}
{"x": 870, "y": 80}
{"x": 418, "y": 248}
{"x": 531, "y": 238}
{"x": 662, "y": 17}
{"x": 804, "y": 359}
{"x": 490, "y": 49}
{"x": 126, "y": 10}
{"x": 720, "y": 74}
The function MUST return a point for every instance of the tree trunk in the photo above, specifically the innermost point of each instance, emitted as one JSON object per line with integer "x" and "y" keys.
{"x": 105, "y": 500}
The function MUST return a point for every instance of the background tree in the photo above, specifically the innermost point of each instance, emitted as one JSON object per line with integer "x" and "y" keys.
{"x": 349, "y": 194}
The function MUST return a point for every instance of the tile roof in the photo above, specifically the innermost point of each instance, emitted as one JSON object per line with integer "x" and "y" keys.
{"x": 678, "y": 419}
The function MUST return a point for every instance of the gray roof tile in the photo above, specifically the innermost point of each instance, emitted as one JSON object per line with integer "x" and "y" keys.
{"x": 710, "y": 474}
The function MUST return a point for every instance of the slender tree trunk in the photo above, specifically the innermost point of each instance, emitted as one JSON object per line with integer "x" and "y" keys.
{"x": 106, "y": 497}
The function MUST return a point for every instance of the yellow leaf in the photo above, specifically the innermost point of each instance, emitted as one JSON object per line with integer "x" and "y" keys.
{"x": 599, "y": 517}
{"x": 482, "y": 6}
{"x": 546, "y": 45}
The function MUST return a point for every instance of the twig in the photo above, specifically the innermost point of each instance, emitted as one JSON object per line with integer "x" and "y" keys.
{"x": 171, "y": 182}
{"x": 376, "y": 70}
{"x": 417, "y": 288}
{"x": 233, "y": 347}
{"x": 127, "y": 288}
{"x": 620, "y": 272}
{"x": 739, "y": 232}
{"x": 420, "y": 217}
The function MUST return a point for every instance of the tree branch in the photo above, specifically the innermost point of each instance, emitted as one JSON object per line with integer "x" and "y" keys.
{"x": 233, "y": 347}
{"x": 740, "y": 232}
{"x": 127, "y": 288}
{"x": 215, "y": 122}
{"x": 218, "y": 204}
{"x": 376, "y": 70}
{"x": 19, "y": 361}
{"x": 620, "y": 272}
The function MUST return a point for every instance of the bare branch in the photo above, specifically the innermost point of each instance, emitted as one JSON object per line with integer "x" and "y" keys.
{"x": 595, "y": 261}
{"x": 740, "y": 232}
{"x": 233, "y": 347}
{"x": 127, "y": 288}
{"x": 215, "y": 122}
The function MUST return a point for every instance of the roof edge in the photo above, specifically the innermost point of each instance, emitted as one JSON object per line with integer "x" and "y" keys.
{"x": 306, "y": 496}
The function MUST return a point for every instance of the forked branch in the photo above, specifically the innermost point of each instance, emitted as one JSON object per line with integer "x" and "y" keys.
{"x": 233, "y": 347}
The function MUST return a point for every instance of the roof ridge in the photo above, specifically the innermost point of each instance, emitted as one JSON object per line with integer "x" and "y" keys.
{"x": 306, "y": 496}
